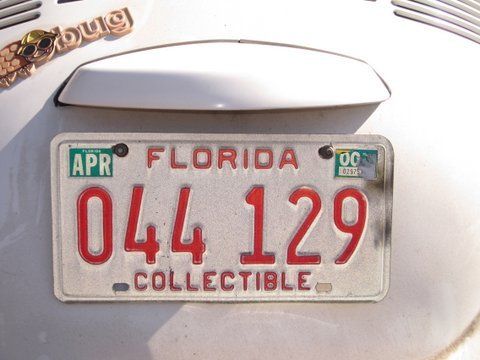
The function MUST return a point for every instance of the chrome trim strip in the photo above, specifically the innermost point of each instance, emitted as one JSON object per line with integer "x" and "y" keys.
{"x": 437, "y": 23}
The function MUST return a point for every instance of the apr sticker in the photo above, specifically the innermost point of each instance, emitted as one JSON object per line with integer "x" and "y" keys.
{"x": 91, "y": 163}
{"x": 356, "y": 163}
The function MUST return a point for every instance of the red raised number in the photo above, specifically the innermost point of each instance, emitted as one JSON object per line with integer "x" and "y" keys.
{"x": 196, "y": 247}
{"x": 256, "y": 198}
{"x": 356, "y": 229}
{"x": 82, "y": 225}
{"x": 150, "y": 247}
{"x": 292, "y": 257}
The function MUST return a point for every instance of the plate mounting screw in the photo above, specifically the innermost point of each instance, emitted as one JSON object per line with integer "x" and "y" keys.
{"x": 326, "y": 152}
{"x": 121, "y": 150}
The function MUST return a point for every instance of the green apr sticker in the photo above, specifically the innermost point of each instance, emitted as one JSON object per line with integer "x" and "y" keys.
{"x": 356, "y": 163}
{"x": 91, "y": 162}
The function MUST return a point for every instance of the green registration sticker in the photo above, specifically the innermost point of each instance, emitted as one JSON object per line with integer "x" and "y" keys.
{"x": 356, "y": 163}
{"x": 91, "y": 162}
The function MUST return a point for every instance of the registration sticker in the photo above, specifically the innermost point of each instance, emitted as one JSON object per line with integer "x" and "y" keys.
{"x": 90, "y": 162}
{"x": 356, "y": 163}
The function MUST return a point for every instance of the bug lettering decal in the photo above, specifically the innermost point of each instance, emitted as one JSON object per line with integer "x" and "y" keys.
{"x": 21, "y": 58}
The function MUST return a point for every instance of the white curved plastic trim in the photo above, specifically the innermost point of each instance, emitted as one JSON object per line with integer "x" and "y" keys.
{"x": 224, "y": 76}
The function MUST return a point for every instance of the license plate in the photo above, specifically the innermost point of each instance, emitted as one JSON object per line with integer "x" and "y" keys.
{"x": 217, "y": 217}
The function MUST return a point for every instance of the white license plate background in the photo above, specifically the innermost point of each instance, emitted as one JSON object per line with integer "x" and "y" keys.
{"x": 217, "y": 204}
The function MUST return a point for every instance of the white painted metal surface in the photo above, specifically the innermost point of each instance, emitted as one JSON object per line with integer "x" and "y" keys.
{"x": 224, "y": 76}
{"x": 430, "y": 119}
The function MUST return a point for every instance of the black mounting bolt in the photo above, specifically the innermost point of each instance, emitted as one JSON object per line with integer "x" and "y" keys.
{"x": 121, "y": 150}
{"x": 326, "y": 152}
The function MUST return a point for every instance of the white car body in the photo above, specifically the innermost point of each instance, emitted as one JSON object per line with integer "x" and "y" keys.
{"x": 431, "y": 119}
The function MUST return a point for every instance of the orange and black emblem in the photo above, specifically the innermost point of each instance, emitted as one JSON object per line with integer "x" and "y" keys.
{"x": 21, "y": 58}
